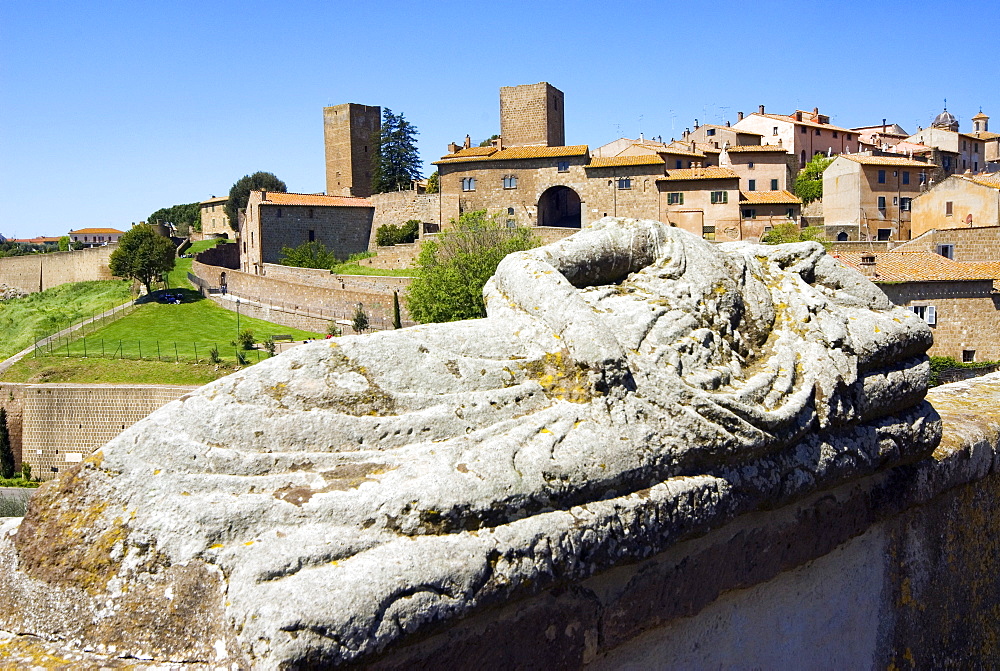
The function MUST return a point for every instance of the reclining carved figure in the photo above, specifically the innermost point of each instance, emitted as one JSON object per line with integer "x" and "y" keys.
{"x": 632, "y": 386}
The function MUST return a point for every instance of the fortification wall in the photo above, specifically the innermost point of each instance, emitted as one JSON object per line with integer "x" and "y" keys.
{"x": 54, "y": 426}
{"x": 310, "y": 290}
{"x": 398, "y": 207}
{"x": 898, "y": 570}
{"x": 39, "y": 272}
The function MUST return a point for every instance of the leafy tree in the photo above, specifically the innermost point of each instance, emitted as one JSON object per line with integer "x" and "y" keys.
{"x": 308, "y": 255}
{"x": 6, "y": 450}
{"x": 809, "y": 182}
{"x": 388, "y": 235}
{"x": 64, "y": 243}
{"x": 791, "y": 232}
{"x": 184, "y": 217}
{"x": 454, "y": 268}
{"x": 396, "y": 160}
{"x": 434, "y": 182}
{"x": 489, "y": 141}
{"x": 142, "y": 255}
{"x": 239, "y": 194}
{"x": 360, "y": 322}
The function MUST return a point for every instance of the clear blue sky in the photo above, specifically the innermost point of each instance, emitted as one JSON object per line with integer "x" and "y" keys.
{"x": 111, "y": 110}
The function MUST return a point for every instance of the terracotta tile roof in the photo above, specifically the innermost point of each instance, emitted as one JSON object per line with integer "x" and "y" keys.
{"x": 511, "y": 153}
{"x": 473, "y": 151}
{"x": 983, "y": 134}
{"x": 278, "y": 198}
{"x": 746, "y": 148}
{"x": 769, "y": 198}
{"x": 97, "y": 231}
{"x": 991, "y": 179}
{"x": 920, "y": 266}
{"x": 735, "y": 130}
{"x": 805, "y": 122}
{"x": 646, "y": 159}
{"x": 35, "y": 241}
{"x": 899, "y": 161}
{"x": 674, "y": 150}
{"x": 220, "y": 199}
{"x": 698, "y": 173}
{"x": 911, "y": 147}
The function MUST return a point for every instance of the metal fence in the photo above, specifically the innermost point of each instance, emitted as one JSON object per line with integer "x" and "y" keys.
{"x": 150, "y": 350}
{"x": 96, "y": 321}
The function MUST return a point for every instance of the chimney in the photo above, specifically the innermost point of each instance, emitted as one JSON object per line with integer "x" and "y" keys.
{"x": 497, "y": 143}
{"x": 467, "y": 143}
{"x": 687, "y": 131}
{"x": 883, "y": 125}
{"x": 798, "y": 116}
{"x": 760, "y": 110}
{"x": 867, "y": 265}
{"x": 694, "y": 146}
{"x": 696, "y": 124}
{"x": 263, "y": 195}
{"x": 739, "y": 116}
{"x": 779, "y": 142}
{"x": 727, "y": 124}
{"x": 452, "y": 147}
{"x": 815, "y": 112}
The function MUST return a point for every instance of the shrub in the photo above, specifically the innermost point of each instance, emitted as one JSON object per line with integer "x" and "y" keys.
{"x": 360, "y": 319}
{"x": 333, "y": 329}
{"x": 308, "y": 255}
{"x": 6, "y": 449}
{"x": 269, "y": 346}
{"x": 245, "y": 339}
{"x": 388, "y": 235}
{"x": 25, "y": 470}
{"x": 213, "y": 355}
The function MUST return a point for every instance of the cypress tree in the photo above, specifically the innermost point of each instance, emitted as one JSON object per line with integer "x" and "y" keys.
{"x": 6, "y": 450}
{"x": 397, "y": 323}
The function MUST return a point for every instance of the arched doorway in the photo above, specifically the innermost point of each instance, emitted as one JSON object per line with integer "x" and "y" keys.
{"x": 842, "y": 236}
{"x": 559, "y": 206}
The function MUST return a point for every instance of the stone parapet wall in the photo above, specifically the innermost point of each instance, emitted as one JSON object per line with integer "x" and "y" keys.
{"x": 398, "y": 207}
{"x": 39, "y": 272}
{"x": 396, "y": 257}
{"x": 310, "y": 290}
{"x": 971, "y": 245}
{"x": 54, "y": 426}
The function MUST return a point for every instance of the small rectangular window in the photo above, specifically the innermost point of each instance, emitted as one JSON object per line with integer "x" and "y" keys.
{"x": 947, "y": 251}
{"x": 469, "y": 184}
{"x": 906, "y": 177}
{"x": 310, "y": 213}
{"x": 881, "y": 176}
{"x": 949, "y": 209}
{"x": 834, "y": 133}
{"x": 775, "y": 131}
{"x": 790, "y": 213}
{"x": 881, "y": 202}
{"x": 750, "y": 165}
{"x": 926, "y": 312}
{"x": 752, "y": 185}
{"x": 804, "y": 131}
{"x": 675, "y": 198}
{"x": 905, "y": 204}
{"x": 818, "y": 131}
{"x": 968, "y": 356}
{"x": 624, "y": 183}
{"x": 749, "y": 214}
{"x": 680, "y": 164}
{"x": 562, "y": 166}
{"x": 510, "y": 182}
{"x": 884, "y": 234}
{"x": 312, "y": 236}
{"x": 278, "y": 213}
{"x": 720, "y": 197}
{"x": 895, "y": 201}
{"x": 774, "y": 185}
{"x": 710, "y": 131}
{"x": 708, "y": 232}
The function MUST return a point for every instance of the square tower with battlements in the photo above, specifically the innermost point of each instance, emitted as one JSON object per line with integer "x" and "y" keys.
{"x": 532, "y": 114}
{"x": 350, "y": 133}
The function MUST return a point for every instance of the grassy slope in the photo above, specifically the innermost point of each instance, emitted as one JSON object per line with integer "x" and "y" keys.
{"x": 24, "y": 319}
{"x": 113, "y": 371}
{"x": 357, "y": 269}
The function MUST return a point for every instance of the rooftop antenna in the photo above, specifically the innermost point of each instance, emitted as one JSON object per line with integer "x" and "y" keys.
{"x": 640, "y": 125}
{"x": 723, "y": 115}
{"x": 673, "y": 116}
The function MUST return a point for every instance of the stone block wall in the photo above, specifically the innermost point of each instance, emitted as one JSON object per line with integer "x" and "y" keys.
{"x": 54, "y": 426}
{"x": 39, "y": 272}
{"x": 310, "y": 290}
{"x": 532, "y": 114}
{"x": 398, "y": 207}
{"x": 226, "y": 255}
{"x": 968, "y": 315}
{"x": 343, "y": 230}
{"x": 348, "y": 132}
{"x": 972, "y": 245}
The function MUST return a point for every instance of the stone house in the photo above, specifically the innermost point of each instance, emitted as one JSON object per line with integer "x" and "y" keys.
{"x": 760, "y": 211}
{"x": 277, "y": 220}
{"x": 868, "y": 197}
{"x": 803, "y": 134}
{"x": 959, "y": 201}
{"x": 958, "y": 300}
{"x": 991, "y": 141}
{"x": 704, "y": 201}
{"x": 760, "y": 167}
{"x": 214, "y": 220}
{"x": 95, "y": 237}
{"x": 880, "y": 136}
{"x": 958, "y": 152}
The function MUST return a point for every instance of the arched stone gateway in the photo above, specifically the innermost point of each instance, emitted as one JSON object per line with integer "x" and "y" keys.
{"x": 559, "y": 206}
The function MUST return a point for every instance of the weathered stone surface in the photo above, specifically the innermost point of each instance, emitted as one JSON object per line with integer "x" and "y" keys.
{"x": 633, "y": 386}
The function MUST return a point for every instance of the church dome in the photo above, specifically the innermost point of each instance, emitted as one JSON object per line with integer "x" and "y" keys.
{"x": 945, "y": 120}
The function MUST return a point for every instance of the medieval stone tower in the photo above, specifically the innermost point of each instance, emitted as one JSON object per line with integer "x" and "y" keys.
{"x": 532, "y": 114}
{"x": 349, "y": 133}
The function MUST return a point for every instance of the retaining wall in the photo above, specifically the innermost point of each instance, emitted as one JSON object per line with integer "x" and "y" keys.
{"x": 39, "y": 272}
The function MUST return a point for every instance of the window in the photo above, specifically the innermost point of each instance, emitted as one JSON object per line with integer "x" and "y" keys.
{"x": 312, "y": 236}
{"x": 774, "y": 185}
{"x": 804, "y": 131}
{"x": 834, "y": 133}
{"x": 817, "y": 131}
{"x": 906, "y": 177}
{"x": 963, "y": 145}
{"x": 848, "y": 136}
{"x": 469, "y": 184}
{"x": 750, "y": 165}
{"x": 884, "y": 234}
{"x": 278, "y": 213}
{"x": 680, "y": 164}
{"x": 946, "y": 162}
{"x": 720, "y": 198}
{"x": 624, "y": 183}
{"x": 310, "y": 213}
{"x": 923, "y": 178}
{"x": 752, "y": 185}
{"x": 968, "y": 356}
{"x": 947, "y": 251}
{"x": 790, "y": 213}
{"x": 675, "y": 198}
{"x": 949, "y": 209}
{"x": 710, "y": 131}
{"x": 881, "y": 203}
{"x": 562, "y": 166}
{"x": 749, "y": 214}
{"x": 802, "y": 159}
{"x": 904, "y": 204}
{"x": 708, "y": 232}
{"x": 895, "y": 201}
{"x": 881, "y": 176}
{"x": 926, "y": 312}
{"x": 775, "y": 131}
{"x": 510, "y": 182}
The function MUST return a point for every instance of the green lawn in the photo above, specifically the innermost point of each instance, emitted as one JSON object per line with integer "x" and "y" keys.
{"x": 24, "y": 320}
{"x": 177, "y": 278}
{"x": 357, "y": 269}
{"x": 168, "y": 332}
{"x": 108, "y": 371}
